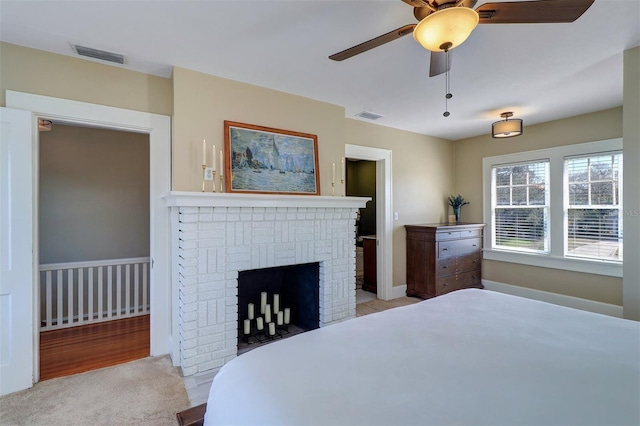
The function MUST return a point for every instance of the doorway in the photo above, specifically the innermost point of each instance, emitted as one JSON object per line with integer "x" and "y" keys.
{"x": 158, "y": 129}
{"x": 93, "y": 226}
{"x": 361, "y": 182}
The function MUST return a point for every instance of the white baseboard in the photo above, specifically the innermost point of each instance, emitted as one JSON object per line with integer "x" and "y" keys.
{"x": 557, "y": 299}
{"x": 398, "y": 291}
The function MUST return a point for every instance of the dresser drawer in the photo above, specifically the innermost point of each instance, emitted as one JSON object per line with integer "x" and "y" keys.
{"x": 470, "y": 233}
{"x": 469, "y": 262}
{"x": 446, "y": 266}
{"x": 447, "y": 235}
{"x": 446, "y": 285}
{"x": 459, "y": 247}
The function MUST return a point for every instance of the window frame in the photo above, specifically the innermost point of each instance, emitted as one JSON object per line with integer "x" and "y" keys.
{"x": 556, "y": 257}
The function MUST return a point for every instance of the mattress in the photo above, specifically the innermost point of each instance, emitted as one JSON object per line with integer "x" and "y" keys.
{"x": 471, "y": 357}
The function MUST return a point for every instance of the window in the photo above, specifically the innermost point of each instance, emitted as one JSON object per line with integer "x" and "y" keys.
{"x": 558, "y": 207}
{"x": 521, "y": 207}
{"x": 593, "y": 206}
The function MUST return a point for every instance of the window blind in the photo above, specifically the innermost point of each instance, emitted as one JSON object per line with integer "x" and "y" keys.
{"x": 593, "y": 206}
{"x": 520, "y": 206}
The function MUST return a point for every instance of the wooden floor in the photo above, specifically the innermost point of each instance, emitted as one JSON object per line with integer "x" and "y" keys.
{"x": 88, "y": 347}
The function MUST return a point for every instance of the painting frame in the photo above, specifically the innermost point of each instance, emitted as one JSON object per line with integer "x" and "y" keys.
{"x": 266, "y": 160}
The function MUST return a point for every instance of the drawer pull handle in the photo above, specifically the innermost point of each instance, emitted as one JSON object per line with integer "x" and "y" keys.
{"x": 445, "y": 249}
{"x": 445, "y": 267}
{"x": 475, "y": 245}
{"x": 475, "y": 261}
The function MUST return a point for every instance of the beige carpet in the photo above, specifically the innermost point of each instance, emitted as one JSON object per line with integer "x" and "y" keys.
{"x": 149, "y": 391}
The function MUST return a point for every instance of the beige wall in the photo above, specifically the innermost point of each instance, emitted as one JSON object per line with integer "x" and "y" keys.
{"x": 93, "y": 195}
{"x": 35, "y": 71}
{"x": 422, "y": 173}
{"x": 468, "y": 165}
{"x": 631, "y": 144}
{"x": 203, "y": 102}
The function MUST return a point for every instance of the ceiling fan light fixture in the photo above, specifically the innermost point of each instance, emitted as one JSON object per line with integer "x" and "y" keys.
{"x": 506, "y": 128}
{"x": 445, "y": 29}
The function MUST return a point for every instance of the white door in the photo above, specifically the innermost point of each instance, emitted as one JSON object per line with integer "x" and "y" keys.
{"x": 16, "y": 250}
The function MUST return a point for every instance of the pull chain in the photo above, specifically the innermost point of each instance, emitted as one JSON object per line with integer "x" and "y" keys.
{"x": 448, "y": 94}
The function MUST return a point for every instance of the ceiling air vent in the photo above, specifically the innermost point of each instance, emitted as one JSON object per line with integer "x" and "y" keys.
{"x": 101, "y": 55}
{"x": 369, "y": 115}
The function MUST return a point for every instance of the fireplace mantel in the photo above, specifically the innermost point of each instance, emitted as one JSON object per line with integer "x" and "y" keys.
{"x": 224, "y": 199}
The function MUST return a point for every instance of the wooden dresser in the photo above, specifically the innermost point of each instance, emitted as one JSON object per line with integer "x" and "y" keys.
{"x": 443, "y": 258}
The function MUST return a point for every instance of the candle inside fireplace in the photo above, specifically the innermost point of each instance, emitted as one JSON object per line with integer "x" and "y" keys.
{"x": 247, "y": 326}
{"x": 263, "y": 301}
{"x": 259, "y": 323}
{"x": 287, "y": 315}
{"x": 267, "y": 313}
{"x": 276, "y": 303}
{"x": 250, "y": 311}
{"x": 272, "y": 329}
{"x": 280, "y": 318}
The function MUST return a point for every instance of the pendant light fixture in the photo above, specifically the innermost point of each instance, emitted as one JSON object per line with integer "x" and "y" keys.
{"x": 446, "y": 28}
{"x": 506, "y": 128}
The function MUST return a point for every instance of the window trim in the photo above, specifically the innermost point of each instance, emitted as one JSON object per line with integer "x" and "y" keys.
{"x": 555, "y": 258}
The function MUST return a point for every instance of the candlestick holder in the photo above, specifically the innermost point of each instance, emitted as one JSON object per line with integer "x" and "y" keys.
{"x": 333, "y": 188}
{"x": 221, "y": 182}
{"x": 204, "y": 175}
{"x": 214, "y": 181}
{"x": 344, "y": 190}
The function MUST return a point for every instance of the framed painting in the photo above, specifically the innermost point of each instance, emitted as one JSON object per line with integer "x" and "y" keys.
{"x": 270, "y": 161}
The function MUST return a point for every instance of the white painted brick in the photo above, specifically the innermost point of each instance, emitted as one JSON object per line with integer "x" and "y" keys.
{"x": 186, "y": 210}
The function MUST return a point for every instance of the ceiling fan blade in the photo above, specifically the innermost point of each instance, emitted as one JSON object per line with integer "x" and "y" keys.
{"x": 532, "y": 12}
{"x": 374, "y": 42}
{"x": 417, "y": 3}
{"x": 439, "y": 64}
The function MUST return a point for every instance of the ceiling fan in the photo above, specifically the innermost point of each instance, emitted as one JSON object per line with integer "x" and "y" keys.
{"x": 445, "y": 24}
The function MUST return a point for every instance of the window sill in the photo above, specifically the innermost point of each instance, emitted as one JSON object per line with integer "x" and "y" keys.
{"x": 598, "y": 267}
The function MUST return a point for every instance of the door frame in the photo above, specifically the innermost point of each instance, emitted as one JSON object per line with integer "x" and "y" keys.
{"x": 384, "y": 209}
{"x": 158, "y": 127}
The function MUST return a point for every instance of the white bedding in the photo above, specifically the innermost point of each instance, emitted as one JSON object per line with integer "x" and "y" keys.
{"x": 469, "y": 357}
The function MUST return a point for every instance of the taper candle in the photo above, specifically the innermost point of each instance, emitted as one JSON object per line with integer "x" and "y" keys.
{"x": 221, "y": 164}
{"x": 276, "y": 303}
{"x": 267, "y": 313}
{"x": 247, "y": 326}
{"x": 280, "y": 318}
{"x": 342, "y": 167}
{"x": 272, "y": 329}
{"x": 213, "y": 163}
{"x": 250, "y": 310}
{"x": 287, "y": 315}
{"x": 204, "y": 152}
{"x": 259, "y": 323}
{"x": 333, "y": 174}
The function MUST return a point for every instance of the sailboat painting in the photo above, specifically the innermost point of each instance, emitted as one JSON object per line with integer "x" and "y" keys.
{"x": 270, "y": 161}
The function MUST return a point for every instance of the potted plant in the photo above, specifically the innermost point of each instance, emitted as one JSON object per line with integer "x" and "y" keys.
{"x": 456, "y": 202}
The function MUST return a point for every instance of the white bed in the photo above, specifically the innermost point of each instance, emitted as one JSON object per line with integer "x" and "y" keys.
{"x": 471, "y": 357}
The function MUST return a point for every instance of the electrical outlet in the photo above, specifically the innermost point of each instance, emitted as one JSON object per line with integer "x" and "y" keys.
{"x": 395, "y": 215}
{"x": 208, "y": 173}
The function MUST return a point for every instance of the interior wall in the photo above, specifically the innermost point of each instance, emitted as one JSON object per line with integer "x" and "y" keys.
{"x": 469, "y": 153}
{"x": 361, "y": 182}
{"x": 93, "y": 194}
{"x": 423, "y": 178}
{"x": 631, "y": 146}
{"x": 34, "y": 71}
{"x": 202, "y": 102}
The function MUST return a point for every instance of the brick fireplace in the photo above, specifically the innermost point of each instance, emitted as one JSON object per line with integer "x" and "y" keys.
{"x": 215, "y": 236}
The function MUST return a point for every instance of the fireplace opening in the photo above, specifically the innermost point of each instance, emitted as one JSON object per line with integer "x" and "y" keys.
{"x": 276, "y": 303}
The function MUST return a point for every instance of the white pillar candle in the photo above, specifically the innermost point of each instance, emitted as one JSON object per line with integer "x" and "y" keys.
{"x": 267, "y": 313}
{"x": 280, "y": 318}
{"x": 263, "y": 301}
{"x": 221, "y": 164}
{"x": 213, "y": 163}
{"x": 287, "y": 315}
{"x": 272, "y": 329}
{"x": 333, "y": 174}
{"x": 247, "y": 326}
{"x": 259, "y": 323}
{"x": 276, "y": 303}
{"x": 204, "y": 152}
{"x": 251, "y": 312}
